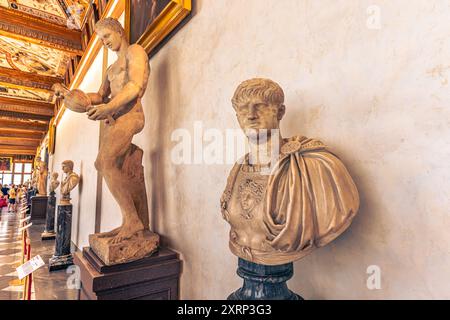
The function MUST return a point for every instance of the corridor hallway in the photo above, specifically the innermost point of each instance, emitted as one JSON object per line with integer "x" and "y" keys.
{"x": 10, "y": 254}
{"x": 45, "y": 285}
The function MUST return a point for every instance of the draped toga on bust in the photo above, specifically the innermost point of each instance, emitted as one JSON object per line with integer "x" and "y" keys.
{"x": 308, "y": 200}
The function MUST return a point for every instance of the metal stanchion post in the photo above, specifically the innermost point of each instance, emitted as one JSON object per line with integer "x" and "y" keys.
{"x": 28, "y": 279}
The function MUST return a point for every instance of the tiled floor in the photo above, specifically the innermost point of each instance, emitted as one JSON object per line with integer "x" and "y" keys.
{"x": 10, "y": 254}
{"x": 47, "y": 285}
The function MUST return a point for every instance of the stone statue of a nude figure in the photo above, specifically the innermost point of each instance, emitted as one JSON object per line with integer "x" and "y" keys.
{"x": 118, "y": 103}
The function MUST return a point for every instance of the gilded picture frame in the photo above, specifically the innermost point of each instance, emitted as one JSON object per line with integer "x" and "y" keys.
{"x": 6, "y": 164}
{"x": 38, "y": 155}
{"x": 51, "y": 136}
{"x": 163, "y": 24}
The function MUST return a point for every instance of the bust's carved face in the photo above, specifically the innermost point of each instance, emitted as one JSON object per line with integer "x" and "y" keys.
{"x": 250, "y": 195}
{"x": 255, "y": 115}
{"x": 65, "y": 168}
{"x": 247, "y": 201}
{"x": 110, "y": 38}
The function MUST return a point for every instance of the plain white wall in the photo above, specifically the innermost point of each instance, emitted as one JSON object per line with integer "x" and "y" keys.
{"x": 77, "y": 140}
{"x": 377, "y": 97}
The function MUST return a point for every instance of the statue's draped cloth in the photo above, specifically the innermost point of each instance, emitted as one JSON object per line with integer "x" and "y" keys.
{"x": 310, "y": 199}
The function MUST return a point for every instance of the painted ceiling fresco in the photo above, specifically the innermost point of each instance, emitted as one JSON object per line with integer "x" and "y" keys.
{"x": 76, "y": 11}
{"x": 30, "y": 57}
{"x": 63, "y": 12}
{"x": 24, "y": 93}
{"x": 4, "y": 60}
{"x": 34, "y": 54}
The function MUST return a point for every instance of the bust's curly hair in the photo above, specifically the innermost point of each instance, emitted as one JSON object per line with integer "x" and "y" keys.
{"x": 68, "y": 163}
{"x": 268, "y": 90}
{"x": 110, "y": 23}
{"x": 254, "y": 188}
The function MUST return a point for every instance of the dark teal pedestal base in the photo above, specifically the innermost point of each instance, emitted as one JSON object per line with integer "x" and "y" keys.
{"x": 263, "y": 282}
{"x": 62, "y": 257}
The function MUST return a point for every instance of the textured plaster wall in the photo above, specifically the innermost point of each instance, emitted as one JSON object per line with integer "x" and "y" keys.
{"x": 377, "y": 96}
{"x": 77, "y": 140}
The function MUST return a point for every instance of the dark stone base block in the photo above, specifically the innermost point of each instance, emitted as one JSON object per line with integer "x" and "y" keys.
{"x": 263, "y": 282}
{"x": 137, "y": 247}
{"x": 150, "y": 278}
{"x": 63, "y": 231}
{"x": 30, "y": 194}
{"x": 49, "y": 232}
{"x": 38, "y": 209}
{"x": 62, "y": 258}
{"x": 48, "y": 235}
{"x": 60, "y": 262}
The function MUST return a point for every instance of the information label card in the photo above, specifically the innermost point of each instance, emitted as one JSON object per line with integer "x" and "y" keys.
{"x": 30, "y": 266}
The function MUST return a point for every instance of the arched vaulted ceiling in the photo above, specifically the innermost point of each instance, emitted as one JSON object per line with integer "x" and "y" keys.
{"x": 38, "y": 38}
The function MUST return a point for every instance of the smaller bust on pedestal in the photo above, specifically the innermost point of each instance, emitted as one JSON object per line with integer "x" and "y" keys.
{"x": 54, "y": 183}
{"x": 63, "y": 257}
{"x": 69, "y": 183}
{"x": 49, "y": 232}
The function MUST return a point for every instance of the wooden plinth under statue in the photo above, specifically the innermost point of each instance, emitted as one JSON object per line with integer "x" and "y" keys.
{"x": 151, "y": 278}
{"x": 38, "y": 209}
{"x": 30, "y": 194}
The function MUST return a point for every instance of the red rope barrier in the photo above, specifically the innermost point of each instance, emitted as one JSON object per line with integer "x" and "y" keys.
{"x": 30, "y": 276}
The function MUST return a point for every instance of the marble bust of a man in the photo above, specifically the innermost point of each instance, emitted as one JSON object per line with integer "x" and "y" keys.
{"x": 282, "y": 207}
{"x": 69, "y": 183}
{"x": 54, "y": 183}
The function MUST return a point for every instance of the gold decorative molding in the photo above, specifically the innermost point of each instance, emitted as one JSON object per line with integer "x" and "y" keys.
{"x": 20, "y": 115}
{"x": 14, "y": 141}
{"x": 9, "y": 123}
{"x": 19, "y": 25}
{"x": 51, "y": 136}
{"x": 27, "y": 79}
{"x": 172, "y": 15}
{"x": 25, "y": 134}
{"x": 17, "y": 150}
{"x": 26, "y": 106}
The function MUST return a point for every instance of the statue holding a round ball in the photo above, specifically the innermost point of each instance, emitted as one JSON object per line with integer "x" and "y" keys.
{"x": 117, "y": 104}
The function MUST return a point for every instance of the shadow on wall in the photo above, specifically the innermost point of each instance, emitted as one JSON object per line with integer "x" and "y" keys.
{"x": 158, "y": 154}
{"x": 178, "y": 28}
{"x": 337, "y": 254}
{"x": 80, "y": 199}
